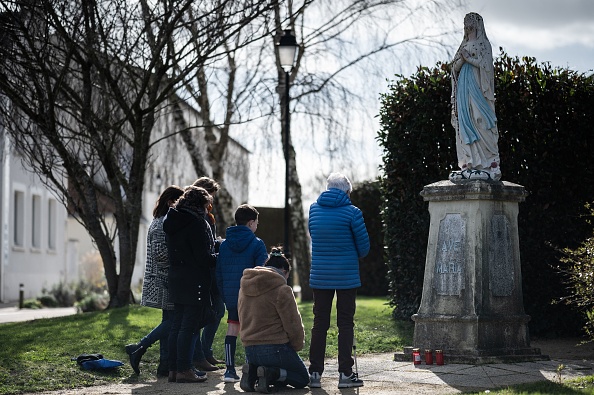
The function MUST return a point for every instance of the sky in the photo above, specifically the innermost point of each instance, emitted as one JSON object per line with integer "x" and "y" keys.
{"x": 557, "y": 31}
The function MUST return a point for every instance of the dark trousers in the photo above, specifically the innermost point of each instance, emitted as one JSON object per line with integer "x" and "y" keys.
{"x": 161, "y": 334}
{"x": 281, "y": 356}
{"x": 345, "y": 312}
{"x": 185, "y": 324}
{"x": 203, "y": 345}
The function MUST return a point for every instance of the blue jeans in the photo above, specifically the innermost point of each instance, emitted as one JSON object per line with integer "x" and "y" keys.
{"x": 281, "y": 356}
{"x": 185, "y": 323}
{"x": 203, "y": 346}
{"x": 160, "y": 333}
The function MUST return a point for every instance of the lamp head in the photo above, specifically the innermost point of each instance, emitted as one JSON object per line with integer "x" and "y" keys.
{"x": 287, "y": 48}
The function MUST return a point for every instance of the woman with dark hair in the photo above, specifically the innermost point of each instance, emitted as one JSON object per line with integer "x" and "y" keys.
{"x": 271, "y": 327}
{"x": 190, "y": 244}
{"x": 203, "y": 355}
{"x": 155, "y": 284}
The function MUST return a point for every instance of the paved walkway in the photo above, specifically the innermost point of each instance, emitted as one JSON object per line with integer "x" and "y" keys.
{"x": 10, "y": 312}
{"x": 382, "y": 375}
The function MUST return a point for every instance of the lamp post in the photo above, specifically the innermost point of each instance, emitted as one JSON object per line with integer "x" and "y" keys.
{"x": 287, "y": 48}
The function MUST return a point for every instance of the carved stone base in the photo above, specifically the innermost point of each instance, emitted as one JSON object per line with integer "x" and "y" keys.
{"x": 471, "y": 306}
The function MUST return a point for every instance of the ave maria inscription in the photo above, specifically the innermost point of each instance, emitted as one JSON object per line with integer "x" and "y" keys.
{"x": 449, "y": 262}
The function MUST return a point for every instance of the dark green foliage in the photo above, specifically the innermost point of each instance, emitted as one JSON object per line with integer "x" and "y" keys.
{"x": 546, "y": 127}
{"x": 374, "y": 280}
{"x": 418, "y": 150}
{"x": 48, "y": 301}
{"x": 545, "y": 124}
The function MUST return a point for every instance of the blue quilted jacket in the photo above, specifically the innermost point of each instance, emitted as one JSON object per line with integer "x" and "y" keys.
{"x": 240, "y": 250}
{"x": 338, "y": 239}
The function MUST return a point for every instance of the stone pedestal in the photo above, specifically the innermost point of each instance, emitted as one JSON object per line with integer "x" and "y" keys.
{"x": 472, "y": 306}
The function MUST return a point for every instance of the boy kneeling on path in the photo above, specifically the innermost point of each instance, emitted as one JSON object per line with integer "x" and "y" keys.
{"x": 271, "y": 327}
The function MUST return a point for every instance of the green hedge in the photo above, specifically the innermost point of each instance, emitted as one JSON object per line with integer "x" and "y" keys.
{"x": 545, "y": 121}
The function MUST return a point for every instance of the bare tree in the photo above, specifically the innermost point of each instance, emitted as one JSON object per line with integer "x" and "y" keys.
{"x": 84, "y": 83}
{"x": 344, "y": 46}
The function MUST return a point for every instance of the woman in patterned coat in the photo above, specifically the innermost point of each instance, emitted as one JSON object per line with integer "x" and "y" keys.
{"x": 154, "y": 286}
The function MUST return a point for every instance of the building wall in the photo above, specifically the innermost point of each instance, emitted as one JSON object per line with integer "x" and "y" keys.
{"x": 32, "y": 239}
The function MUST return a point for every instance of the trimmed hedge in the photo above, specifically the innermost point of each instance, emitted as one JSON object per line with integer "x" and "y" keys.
{"x": 546, "y": 124}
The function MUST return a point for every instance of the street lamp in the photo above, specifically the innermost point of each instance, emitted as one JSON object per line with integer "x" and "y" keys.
{"x": 287, "y": 48}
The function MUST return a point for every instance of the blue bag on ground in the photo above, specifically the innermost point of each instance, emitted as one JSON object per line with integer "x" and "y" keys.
{"x": 95, "y": 361}
{"x": 101, "y": 364}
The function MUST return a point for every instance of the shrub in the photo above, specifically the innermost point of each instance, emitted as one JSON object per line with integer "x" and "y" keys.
{"x": 48, "y": 301}
{"x": 545, "y": 126}
{"x": 66, "y": 295}
{"x": 32, "y": 304}
{"x": 92, "y": 302}
{"x": 579, "y": 277}
{"x": 63, "y": 294}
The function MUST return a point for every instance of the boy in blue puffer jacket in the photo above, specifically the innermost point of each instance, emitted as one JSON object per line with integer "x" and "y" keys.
{"x": 240, "y": 250}
{"x": 338, "y": 239}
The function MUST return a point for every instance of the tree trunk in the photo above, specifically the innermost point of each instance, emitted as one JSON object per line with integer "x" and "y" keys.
{"x": 224, "y": 209}
{"x": 300, "y": 238}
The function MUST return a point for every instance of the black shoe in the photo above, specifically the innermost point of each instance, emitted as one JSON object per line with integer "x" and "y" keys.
{"x": 163, "y": 370}
{"x": 135, "y": 351}
{"x": 213, "y": 361}
{"x": 267, "y": 376}
{"x": 249, "y": 376}
{"x": 205, "y": 366}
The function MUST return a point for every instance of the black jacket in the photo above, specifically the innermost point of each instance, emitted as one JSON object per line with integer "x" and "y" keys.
{"x": 190, "y": 246}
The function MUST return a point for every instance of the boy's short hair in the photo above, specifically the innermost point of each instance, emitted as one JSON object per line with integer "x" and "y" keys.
{"x": 245, "y": 213}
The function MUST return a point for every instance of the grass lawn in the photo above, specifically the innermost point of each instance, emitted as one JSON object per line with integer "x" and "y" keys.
{"x": 35, "y": 355}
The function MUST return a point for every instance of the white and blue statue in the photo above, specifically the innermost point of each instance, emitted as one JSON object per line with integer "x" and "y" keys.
{"x": 473, "y": 105}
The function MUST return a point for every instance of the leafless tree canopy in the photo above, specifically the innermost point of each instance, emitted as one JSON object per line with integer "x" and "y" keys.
{"x": 83, "y": 84}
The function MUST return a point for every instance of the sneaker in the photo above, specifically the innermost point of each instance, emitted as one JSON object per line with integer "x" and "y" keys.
{"x": 349, "y": 381}
{"x": 198, "y": 372}
{"x": 230, "y": 376}
{"x": 315, "y": 380}
{"x": 249, "y": 376}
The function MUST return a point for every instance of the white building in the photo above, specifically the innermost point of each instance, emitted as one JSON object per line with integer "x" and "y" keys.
{"x": 33, "y": 243}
